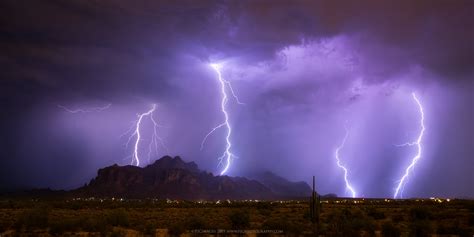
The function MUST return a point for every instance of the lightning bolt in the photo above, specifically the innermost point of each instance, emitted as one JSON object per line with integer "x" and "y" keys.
{"x": 225, "y": 85}
{"x": 417, "y": 143}
{"x": 135, "y": 133}
{"x": 85, "y": 110}
{"x": 336, "y": 155}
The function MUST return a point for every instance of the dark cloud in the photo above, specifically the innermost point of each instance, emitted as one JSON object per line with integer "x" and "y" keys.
{"x": 302, "y": 67}
{"x": 109, "y": 42}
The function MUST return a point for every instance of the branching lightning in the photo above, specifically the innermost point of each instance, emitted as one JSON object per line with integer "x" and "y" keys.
{"x": 336, "y": 155}
{"x": 225, "y": 85}
{"x": 85, "y": 110}
{"x": 135, "y": 133}
{"x": 417, "y": 143}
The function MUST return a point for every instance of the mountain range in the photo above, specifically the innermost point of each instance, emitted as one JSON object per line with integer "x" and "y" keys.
{"x": 171, "y": 177}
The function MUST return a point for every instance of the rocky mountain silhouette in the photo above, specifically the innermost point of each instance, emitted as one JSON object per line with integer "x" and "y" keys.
{"x": 282, "y": 187}
{"x": 173, "y": 178}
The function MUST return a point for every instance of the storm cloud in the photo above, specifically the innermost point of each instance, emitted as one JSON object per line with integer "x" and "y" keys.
{"x": 304, "y": 69}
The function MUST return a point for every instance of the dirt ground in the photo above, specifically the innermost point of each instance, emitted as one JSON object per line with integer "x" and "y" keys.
{"x": 338, "y": 217}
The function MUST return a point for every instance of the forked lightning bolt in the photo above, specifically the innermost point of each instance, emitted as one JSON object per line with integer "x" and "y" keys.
{"x": 417, "y": 143}
{"x": 85, "y": 110}
{"x": 336, "y": 155}
{"x": 227, "y": 155}
{"x": 136, "y": 128}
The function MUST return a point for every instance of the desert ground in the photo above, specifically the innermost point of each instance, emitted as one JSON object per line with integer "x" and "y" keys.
{"x": 338, "y": 217}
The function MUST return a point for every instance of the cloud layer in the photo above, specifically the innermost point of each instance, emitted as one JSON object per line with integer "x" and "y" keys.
{"x": 303, "y": 69}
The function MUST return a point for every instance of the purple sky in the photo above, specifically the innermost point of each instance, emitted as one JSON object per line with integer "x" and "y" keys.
{"x": 304, "y": 70}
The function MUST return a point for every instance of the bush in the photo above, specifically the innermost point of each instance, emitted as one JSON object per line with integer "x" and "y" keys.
{"x": 398, "y": 218}
{"x": 96, "y": 224}
{"x": 149, "y": 229}
{"x": 265, "y": 208}
{"x": 453, "y": 229}
{"x": 176, "y": 229}
{"x": 390, "y": 230}
{"x": 118, "y": 217}
{"x": 3, "y": 227}
{"x": 420, "y": 228}
{"x": 471, "y": 219}
{"x": 307, "y": 215}
{"x": 58, "y": 227}
{"x": 469, "y": 206}
{"x": 240, "y": 219}
{"x": 446, "y": 230}
{"x": 264, "y": 205}
{"x": 115, "y": 232}
{"x": 374, "y": 213}
{"x": 345, "y": 223}
{"x": 420, "y": 213}
{"x": 282, "y": 224}
{"x": 64, "y": 225}
{"x": 33, "y": 218}
{"x": 195, "y": 222}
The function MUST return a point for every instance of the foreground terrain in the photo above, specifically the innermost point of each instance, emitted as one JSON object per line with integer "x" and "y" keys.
{"x": 149, "y": 217}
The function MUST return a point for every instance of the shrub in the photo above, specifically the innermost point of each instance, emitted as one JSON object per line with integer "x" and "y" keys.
{"x": 307, "y": 215}
{"x": 282, "y": 224}
{"x": 390, "y": 230}
{"x": 63, "y": 225}
{"x": 96, "y": 224}
{"x": 118, "y": 217}
{"x": 345, "y": 223}
{"x": 446, "y": 230}
{"x": 453, "y": 229}
{"x": 176, "y": 229}
{"x": 471, "y": 219}
{"x": 117, "y": 233}
{"x": 3, "y": 227}
{"x": 240, "y": 219}
{"x": 195, "y": 222}
{"x": 149, "y": 229}
{"x": 420, "y": 228}
{"x": 398, "y": 218}
{"x": 374, "y": 213}
{"x": 264, "y": 205}
{"x": 420, "y": 213}
{"x": 33, "y": 218}
{"x": 469, "y": 206}
{"x": 265, "y": 208}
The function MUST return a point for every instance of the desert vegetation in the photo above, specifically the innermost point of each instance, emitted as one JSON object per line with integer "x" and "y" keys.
{"x": 118, "y": 217}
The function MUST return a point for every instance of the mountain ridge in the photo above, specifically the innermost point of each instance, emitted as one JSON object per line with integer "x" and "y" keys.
{"x": 171, "y": 177}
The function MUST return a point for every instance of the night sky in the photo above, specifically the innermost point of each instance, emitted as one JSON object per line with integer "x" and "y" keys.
{"x": 305, "y": 71}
